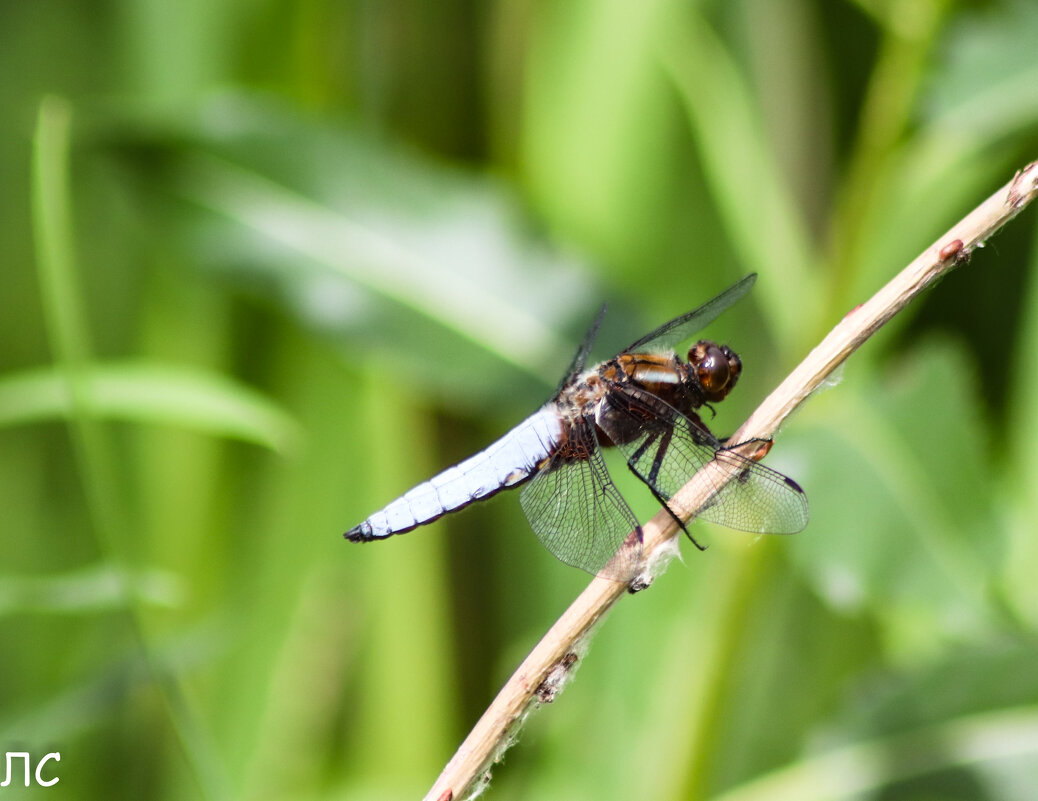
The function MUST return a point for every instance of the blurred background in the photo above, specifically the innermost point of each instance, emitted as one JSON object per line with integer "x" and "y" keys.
{"x": 268, "y": 264}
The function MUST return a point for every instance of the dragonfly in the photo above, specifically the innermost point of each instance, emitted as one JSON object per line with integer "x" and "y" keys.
{"x": 645, "y": 402}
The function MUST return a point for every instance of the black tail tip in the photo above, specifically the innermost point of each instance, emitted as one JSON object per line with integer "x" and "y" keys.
{"x": 361, "y": 533}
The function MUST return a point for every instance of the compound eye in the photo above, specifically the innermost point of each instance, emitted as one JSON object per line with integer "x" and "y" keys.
{"x": 713, "y": 370}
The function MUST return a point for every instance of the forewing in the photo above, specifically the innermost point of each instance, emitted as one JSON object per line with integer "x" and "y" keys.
{"x": 670, "y": 448}
{"x": 577, "y": 512}
{"x": 576, "y": 367}
{"x": 681, "y": 328}
{"x": 758, "y": 499}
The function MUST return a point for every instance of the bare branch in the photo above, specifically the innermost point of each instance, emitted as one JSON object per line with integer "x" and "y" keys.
{"x": 547, "y": 665}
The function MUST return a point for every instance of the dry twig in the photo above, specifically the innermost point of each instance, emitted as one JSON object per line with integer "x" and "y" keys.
{"x": 543, "y": 670}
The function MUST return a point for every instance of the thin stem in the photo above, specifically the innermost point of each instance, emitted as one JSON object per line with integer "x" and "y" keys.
{"x": 551, "y": 657}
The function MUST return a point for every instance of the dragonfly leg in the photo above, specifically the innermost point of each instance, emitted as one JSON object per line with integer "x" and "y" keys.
{"x": 657, "y": 462}
{"x": 663, "y": 502}
{"x": 650, "y": 480}
{"x": 676, "y": 519}
{"x": 637, "y": 455}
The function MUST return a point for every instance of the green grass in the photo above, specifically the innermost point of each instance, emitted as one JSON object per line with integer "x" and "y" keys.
{"x": 266, "y": 266}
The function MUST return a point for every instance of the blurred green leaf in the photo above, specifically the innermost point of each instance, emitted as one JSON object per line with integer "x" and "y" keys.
{"x": 152, "y": 393}
{"x": 595, "y": 130}
{"x": 371, "y": 211}
{"x": 982, "y": 87}
{"x": 1021, "y": 466}
{"x": 994, "y": 674}
{"x": 88, "y": 591}
{"x": 368, "y": 243}
{"x": 976, "y": 742}
{"x": 900, "y": 475}
{"x": 985, "y": 83}
{"x": 755, "y": 203}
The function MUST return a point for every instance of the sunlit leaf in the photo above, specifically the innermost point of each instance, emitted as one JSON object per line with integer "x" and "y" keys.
{"x": 754, "y": 201}
{"x": 88, "y": 591}
{"x": 426, "y": 268}
{"x": 903, "y": 522}
{"x": 152, "y": 393}
{"x": 986, "y": 81}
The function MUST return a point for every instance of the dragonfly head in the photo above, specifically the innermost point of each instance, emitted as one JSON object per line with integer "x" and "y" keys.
{"x": 716, "y": 367}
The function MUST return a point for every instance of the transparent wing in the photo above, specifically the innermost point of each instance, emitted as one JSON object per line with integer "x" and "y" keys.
{"x": 576, "y": 367}
{"x": 577, "y": 512}
{"x": 758, "y": 499}
{"x": 681, "y": 328}
{"x": 664, "y": 448}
